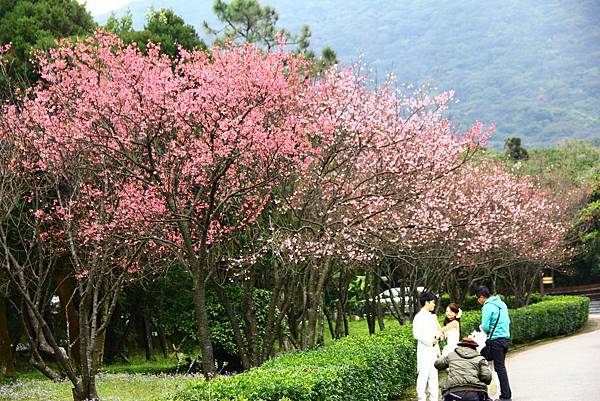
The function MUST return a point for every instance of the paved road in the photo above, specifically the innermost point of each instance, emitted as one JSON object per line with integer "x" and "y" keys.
{"x": 595, "y": 308}
{"x": 561, "y": 370}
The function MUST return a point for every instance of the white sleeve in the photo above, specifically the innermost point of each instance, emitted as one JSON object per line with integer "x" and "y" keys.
{"x": 422, "y": 331}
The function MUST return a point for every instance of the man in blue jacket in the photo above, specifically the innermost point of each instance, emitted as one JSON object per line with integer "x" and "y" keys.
{"x": 495, "y": 322}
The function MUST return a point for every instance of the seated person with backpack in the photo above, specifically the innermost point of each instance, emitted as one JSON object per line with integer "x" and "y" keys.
{"x": 468, "y": 373}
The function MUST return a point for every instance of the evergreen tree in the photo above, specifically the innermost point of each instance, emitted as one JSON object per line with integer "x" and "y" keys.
{"x": 246, "y": 21}
{"x": 514, "y": 150}
{"x": 29, "y": 25}
{"x": 162, "y": 26}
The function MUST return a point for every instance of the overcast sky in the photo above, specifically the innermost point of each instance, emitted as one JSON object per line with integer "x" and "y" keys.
{"x": 97, "y": 7}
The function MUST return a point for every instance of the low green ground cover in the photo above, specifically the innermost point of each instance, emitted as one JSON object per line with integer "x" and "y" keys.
{"x": 111, "y": 387}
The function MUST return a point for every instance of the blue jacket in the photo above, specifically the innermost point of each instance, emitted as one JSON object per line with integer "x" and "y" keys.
{"x": 489, "y": 313}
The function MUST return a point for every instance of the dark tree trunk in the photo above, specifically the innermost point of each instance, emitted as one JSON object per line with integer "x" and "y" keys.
{"x": 251, "y": 324}
{"x": 162, "y": 338}
{"x": 316, "y": 284}
{"x": 320, "y": 338}
{"x": 164, "y": 342}
{"x": 280, "y": 304}
{"x": 295, "y": 294}
{"x": 379, "y": 309}
{"x": 66, "y": 294}
{"x": 371, "y": 320}
{"x": 147, "y": 335}
{"x": 370, "y": 302}
{"x": 293, "y": 323}
{"x": 329, "y": 317}
{"x": 198, "y": 265}
{"x": 110, "y": 343}
{"x": 36, "y": 359}
{"x": 17, "y": 333}
{"x": 341, "y": 320}
{"x": 87, "y": 388}
{"x": 208, "y": 359}
{"x": 235, "y": 324}
{"x": 346, "y": 326}
{"x": 7, "y": 364}
{"x": 122, "y": 342}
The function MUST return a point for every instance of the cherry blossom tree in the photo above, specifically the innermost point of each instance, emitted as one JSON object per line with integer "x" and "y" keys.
{"x": 386, "y": 151}
{"x": 66, "y": 203}
{"x": 192, "y": 146}
{"x": 488, "y": 221}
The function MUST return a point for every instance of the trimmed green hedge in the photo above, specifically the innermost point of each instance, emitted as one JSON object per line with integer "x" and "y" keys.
{"x": 471, "y": 303}
{"x": 555, "y": 316}
{"x": 352, "y": 369}
{"x": 372, "y": 368}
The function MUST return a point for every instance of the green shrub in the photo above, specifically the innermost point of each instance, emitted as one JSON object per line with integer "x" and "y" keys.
{"x": 556, "y": 315}
{"x": 370, "y": 368}
{"x": 178, "y": 315}
{"x": 471, "y": 303}
{"x": 353, "y": 369}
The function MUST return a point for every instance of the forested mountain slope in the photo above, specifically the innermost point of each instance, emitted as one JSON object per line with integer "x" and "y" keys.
{"x": 531, "y": 67}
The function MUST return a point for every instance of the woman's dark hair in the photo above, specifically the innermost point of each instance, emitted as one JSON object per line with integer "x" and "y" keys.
{"x": 454, "y": 308}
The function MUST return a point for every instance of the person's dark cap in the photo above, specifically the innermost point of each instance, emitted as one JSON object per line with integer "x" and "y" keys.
{"x": 468, "y": 342}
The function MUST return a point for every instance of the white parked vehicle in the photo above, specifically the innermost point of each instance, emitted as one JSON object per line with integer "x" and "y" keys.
{"x": 393, "y": 296}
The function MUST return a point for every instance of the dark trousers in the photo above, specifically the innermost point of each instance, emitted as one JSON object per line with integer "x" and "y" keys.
{"x": 499, "y": 348}
{"x": 466, "y": 396}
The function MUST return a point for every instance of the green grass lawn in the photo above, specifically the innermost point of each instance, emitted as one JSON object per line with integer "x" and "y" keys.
{"x": 360, "y": 327}
{"x": 139, "y": 364}
{"x": 111, "y": 387}
{"x": 138, "y": 380}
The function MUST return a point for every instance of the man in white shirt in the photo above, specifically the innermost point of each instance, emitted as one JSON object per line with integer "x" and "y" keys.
{"x": 427, "y": 332}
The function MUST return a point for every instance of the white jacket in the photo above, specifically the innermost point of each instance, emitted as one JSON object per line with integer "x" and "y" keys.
{"x": 425, "y": 328}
